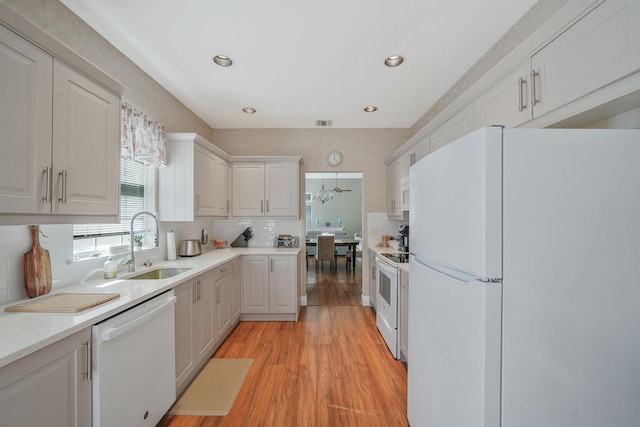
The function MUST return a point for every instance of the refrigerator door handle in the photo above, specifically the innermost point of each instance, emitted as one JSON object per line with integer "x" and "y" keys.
{"x": 459, "y": 277}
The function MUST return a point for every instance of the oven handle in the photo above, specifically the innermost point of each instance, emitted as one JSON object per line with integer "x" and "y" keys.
{"x": 113, "y": 333}
{"x": 383, "y": 266}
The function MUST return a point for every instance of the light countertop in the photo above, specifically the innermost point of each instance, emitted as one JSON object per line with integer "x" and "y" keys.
{"x": 24, "y": 333}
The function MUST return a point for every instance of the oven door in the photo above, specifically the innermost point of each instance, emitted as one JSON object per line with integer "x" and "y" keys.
{"x": 387, "y": 305}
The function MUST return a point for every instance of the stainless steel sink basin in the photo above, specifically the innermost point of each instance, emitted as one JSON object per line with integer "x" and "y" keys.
{"x": 159, "y": 273}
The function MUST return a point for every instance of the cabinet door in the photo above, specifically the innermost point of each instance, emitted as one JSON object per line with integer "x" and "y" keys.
{"x": 392, "y": 196}
{"x": 599, "y": 49}
{"x": 282, "y": 284}
{"x": 222, "y": 294}
{"x": 457, "y": 126}
{"x": 86, "y": 145}
{"x": 206, "y": 165}
{"x": 373, "y": 278}
{"x": 255, "y": 284}
{"x": 248, "y": 189}
{"x": 423, "y": 148}
{"x": 206, "y": 334}
{"x": 25, "y": 119}
{"x": 222, "y": 185}
{"x": 49, "y": 387}
{"x": 185, "y": 316}
{"x": 281, "y": 189}
{"x": 404, "y": 315}
{"x": 507, "y": 102}
{"x": 236, "y": 290}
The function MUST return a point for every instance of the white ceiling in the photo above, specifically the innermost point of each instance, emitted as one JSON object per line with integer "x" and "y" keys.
{"x": 298, "y": 61}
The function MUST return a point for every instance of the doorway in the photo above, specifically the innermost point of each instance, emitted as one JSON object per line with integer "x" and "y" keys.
{"x": 333, "y": 205}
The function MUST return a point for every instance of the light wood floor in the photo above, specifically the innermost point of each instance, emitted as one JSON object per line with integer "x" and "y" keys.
{"x": 331, "y": 368}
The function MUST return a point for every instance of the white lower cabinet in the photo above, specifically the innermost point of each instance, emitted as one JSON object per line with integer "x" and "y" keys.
{"x": 404, "y": 316}
{"x": 194, "y": 327}
{"x": 236, "y": 290}
{"x": 49, "y": 387}
{"x": 204, "y": 317}
{"x": 222, "y": 285}
{"x": 269, "y": 287}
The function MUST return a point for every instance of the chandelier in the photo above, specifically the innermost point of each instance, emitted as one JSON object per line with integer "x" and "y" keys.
{"x": 323, "y": 195}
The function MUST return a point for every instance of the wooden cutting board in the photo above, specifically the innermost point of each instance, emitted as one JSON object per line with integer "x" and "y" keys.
{"x": 62, "y": 303}
{"x": 37, "y": 267}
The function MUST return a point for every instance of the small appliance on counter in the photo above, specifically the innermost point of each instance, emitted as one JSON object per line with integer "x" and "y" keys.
{"x": 404, "y": 238}
{"x": 191, "y": 247}
{"x": 286, "y": 241}
{"x": 242, "y": 241}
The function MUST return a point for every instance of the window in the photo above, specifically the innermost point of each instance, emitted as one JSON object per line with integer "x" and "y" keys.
{"x": 94, "y": 240}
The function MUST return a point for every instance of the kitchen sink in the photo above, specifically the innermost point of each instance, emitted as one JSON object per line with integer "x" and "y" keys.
{"x": 159, "y": 273}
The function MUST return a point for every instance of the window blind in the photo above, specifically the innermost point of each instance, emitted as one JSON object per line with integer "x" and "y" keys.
{"x": 132, "y": 180}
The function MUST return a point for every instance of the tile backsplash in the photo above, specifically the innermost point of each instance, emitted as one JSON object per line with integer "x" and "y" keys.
{"x": 265, "y": 231}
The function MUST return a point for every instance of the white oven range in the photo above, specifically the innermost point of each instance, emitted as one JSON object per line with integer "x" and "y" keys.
{"x": 388, "y": 299}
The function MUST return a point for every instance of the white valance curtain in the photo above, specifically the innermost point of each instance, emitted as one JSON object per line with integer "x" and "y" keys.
{"x": 142, "y": 137}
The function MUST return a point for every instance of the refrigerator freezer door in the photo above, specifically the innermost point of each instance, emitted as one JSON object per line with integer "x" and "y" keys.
{"x": 456, "y": 205}
{"x": 571, "y": 334}
{"x": 454, "y": 370}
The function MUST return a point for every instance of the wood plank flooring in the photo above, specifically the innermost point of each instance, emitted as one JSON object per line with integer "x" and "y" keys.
{"x": 341, "y": 288}
{"x": 331, "y": 368}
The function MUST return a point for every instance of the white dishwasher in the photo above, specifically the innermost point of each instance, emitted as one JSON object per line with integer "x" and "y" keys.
{"x": 133, "y": 365}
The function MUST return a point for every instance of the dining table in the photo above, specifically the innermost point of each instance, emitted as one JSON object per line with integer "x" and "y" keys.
{"x": 352, "y": 244}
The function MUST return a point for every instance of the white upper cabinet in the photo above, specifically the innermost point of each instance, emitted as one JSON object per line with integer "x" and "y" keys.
{"x": 26, "y": 115}
{"x": 86, "y": 145}
{"x": 596, "y": 51}
{"x": 600, "y": 48}
{"x": 266, "y": 188}
{"x": 507, "y": 102}
{"x": 455, "y": 127}
{"x": 195, "y": 181}
{"x": 60, "y": 139}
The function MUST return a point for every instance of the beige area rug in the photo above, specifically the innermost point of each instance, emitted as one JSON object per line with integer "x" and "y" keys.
{"x": 215, "y": 388}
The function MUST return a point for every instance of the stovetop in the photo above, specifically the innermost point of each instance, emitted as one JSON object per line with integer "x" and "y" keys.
{"x": 400, "y": 258}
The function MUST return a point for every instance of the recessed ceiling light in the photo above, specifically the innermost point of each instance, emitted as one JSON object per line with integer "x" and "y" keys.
{"x": 393, "y": 61}
{"x": 370, "y": 109}
{"x": 249, "y": 110}
{"x": 223, "y": 61}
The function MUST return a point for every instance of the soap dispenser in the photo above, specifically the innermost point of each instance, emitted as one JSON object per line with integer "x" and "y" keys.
{"x": 110, "y": 269}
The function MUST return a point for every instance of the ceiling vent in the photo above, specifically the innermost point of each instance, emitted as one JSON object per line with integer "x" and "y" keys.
{"x": 324, "y": 123}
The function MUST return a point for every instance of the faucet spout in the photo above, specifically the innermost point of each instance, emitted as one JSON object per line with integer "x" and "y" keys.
{"x": 131, "y": 259}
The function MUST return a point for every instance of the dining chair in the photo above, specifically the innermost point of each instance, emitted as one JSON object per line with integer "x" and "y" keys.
{"x": 326, "y": 252}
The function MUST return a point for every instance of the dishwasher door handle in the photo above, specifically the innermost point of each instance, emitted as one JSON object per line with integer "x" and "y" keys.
{"x": 113, "y": 333}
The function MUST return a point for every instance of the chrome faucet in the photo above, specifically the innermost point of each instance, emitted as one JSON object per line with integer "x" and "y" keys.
{"x": 130, "y": 261}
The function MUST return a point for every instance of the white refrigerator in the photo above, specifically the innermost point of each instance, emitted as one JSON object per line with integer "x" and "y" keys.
{"x": 524, "y": 305}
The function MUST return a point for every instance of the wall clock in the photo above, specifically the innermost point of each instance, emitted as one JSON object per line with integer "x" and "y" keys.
{"x": 334, "y": 158}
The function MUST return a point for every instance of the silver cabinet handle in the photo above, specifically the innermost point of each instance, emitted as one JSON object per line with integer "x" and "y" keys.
{"x": 225, "y": 269}
{"x": 261, "y": 206}
{"x": 521, "y": 104}
{"x": 271, "y": 266}
{"x": 63, "y": 190}
{"x": 217, "y": 295}
{"x": 48, "y": 190}
{"x": 534, "y": 99}
{"x": 267, "y": 206}
{"x": 89, "y": 356}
